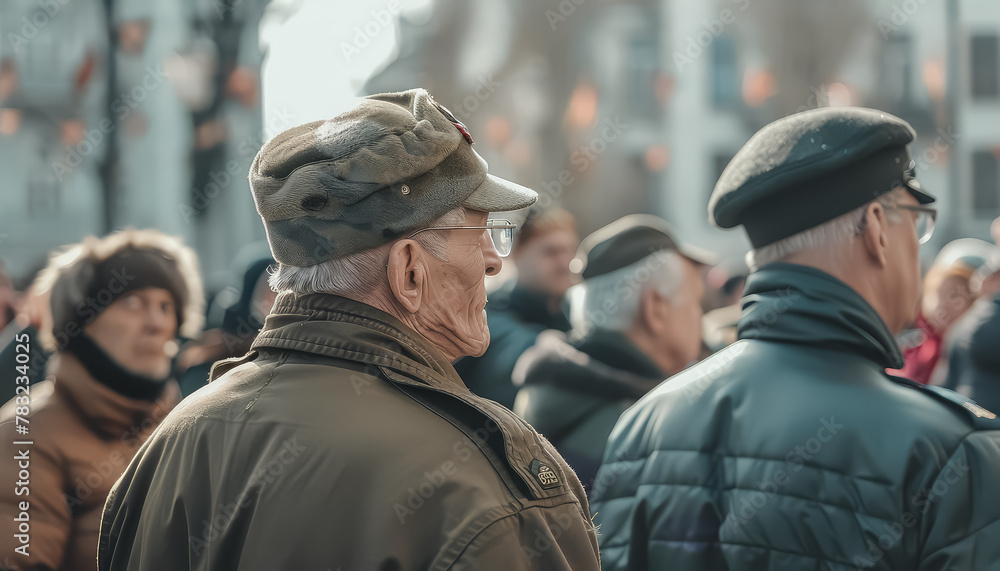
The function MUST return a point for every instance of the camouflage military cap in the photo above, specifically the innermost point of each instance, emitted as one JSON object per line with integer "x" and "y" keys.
{"x": 391, "y": 165}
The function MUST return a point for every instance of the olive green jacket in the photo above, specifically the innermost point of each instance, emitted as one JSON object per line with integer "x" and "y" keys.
{"x": 343, "y": 440}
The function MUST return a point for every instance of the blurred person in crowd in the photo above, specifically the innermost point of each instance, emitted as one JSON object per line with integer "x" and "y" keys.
{"x": 117, "y": 306}
{"x": 241, "y": 323}
{"x": 946, "y": 296}
{"x": 636, "y": 321}
{"x": 792, "y": 448}
{"x": 522, "y": 308}
{"x": 719, "y": 326}
{"x": 973, "y": 346}
{"x": 9, "y": 298}
{"x": 32, "y": 315}
{"x": 347, "y": 402}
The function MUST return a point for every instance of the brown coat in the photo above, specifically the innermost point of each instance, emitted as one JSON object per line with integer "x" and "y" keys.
{"x": 83, "y": 435}
{"x": 344, "y": 440}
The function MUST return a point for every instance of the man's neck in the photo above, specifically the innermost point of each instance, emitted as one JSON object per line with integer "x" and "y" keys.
{"x": 857, "y": 276}
{"x": 662, "y": 359}
{"x": 384, "y": 301}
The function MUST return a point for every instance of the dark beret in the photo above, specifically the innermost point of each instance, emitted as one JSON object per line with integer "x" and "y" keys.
{"x": 811, "y": 167}
{"x": 628, "y": 240}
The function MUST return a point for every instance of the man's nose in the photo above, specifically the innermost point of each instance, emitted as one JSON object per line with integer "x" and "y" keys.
{"x": 493, "y": 260}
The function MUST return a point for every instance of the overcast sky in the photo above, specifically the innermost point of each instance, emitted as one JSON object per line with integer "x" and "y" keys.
{"x": 317, "y": 62}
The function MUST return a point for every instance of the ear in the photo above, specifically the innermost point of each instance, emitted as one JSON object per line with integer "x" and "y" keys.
{"x": 875, "y": 236}
{"x": 653, "y": 310}
{"x": 407, "y": 273}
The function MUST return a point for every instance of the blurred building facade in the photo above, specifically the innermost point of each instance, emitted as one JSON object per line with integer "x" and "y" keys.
{"x": 615, "y": 106}
{"x": 606, "y": 107}
{"x": 119, "y": 113}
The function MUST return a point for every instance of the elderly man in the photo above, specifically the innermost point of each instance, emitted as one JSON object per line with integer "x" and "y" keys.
{"x": 118, "y": 305}
{"x": 344, "y": 439}
{"x": 792, "y": 448}
{"x": 636, "y": 321}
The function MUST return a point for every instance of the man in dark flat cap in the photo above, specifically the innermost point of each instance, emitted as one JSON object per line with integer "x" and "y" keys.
{"x": 636, "y": 320}
{"x": 792, "y": 448}
{"x": 345, "y": 439}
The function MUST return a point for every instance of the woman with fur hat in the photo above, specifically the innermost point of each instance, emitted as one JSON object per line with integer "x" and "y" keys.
{"x": 118, "y": 305}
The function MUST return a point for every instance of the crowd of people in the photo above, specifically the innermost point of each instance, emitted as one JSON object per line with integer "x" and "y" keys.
{"x": 357, "y": 400}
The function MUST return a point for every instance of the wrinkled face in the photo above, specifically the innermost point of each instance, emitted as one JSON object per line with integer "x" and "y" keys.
{"x": 682, "y": 335}
{"x": 903, "y": 263}
{"x": 135, "y": 331}
{"x": 543, "y": 263}
{"x": 454, "y": 309}
{"x": 944, "y": 304}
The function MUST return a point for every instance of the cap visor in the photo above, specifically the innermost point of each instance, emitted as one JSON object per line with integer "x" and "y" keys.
{"x": 499, "y": 195}
{"x": 697, "y": 255}
{"x": 922, "y": 197}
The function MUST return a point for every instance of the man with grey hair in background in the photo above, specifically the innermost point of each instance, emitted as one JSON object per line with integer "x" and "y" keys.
{"x": 345, "y": 439}
{"x": 793, "y": 448}
{"x": 636, "y": 320}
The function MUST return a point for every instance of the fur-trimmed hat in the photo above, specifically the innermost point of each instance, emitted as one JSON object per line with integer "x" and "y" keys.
{"x": 148, "y": 258}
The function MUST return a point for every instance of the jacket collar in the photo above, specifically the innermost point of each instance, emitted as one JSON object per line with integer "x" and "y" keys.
{"x": 109, "y": 413}
{"x": 615, "y": 350}
{"x": 335, "y": 326}
{"x": 790, "y": 303}
{"x": 585, "y": 367}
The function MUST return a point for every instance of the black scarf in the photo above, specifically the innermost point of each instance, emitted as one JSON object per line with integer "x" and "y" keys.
{"x": 109, "y": 373}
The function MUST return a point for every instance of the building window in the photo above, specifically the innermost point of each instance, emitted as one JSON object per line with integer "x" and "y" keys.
{"x": 897, "y": 68}
{"x": 720, "y": 160}
{"x": 643, "y": 67}
{"x": 985, "y": 66}
{"x": 44, "y": 195}
{"x": 724, "y": 75}
{"x": 985, "y": 182}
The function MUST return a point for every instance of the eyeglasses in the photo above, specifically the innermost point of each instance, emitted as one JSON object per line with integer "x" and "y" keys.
{"x": 926, "y": 216}
{"x": 501, "y": 233}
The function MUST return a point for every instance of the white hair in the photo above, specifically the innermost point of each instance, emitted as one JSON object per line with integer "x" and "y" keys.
{"x": 611, "y": 301}
{"x": 362, "y": 272}
{"x": 827, "y": 239}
